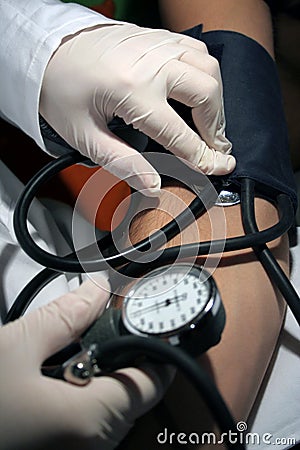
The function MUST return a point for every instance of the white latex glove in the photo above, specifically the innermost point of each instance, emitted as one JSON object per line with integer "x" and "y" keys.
{"x": 128, "y": 71}
{"x": 36, "y": 409}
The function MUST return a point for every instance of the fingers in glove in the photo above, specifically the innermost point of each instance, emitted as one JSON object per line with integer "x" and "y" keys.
{"x": 172, "y": 132}
{"x": 203, "y": 93}
{"x": 210, "y": 66}
{"x": 119, "y": 158}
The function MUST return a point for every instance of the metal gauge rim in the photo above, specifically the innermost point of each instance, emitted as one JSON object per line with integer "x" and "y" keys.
{"x": 203, "y": 278}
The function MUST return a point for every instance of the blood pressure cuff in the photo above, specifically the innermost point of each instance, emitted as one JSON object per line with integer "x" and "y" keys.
{"x": 255, "y": 120}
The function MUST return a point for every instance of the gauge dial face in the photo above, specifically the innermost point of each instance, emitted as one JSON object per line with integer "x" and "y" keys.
{"x": 166, "y": 300}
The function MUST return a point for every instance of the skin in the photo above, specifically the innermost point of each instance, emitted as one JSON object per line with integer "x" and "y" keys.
{"x": 250, "y": 17}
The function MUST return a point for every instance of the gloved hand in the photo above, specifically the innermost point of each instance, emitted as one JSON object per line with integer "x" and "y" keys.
{"x": 128, "y": 71}
{"x": 36, "y": 410}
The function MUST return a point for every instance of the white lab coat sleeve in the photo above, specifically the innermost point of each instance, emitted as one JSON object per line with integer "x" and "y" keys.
{"x": 30, "y": 32}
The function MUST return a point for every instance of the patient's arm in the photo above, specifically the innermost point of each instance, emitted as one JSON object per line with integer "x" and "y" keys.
{"x": 250, "y": 17}
{"x": 254, "y": 313}
{"x": 254, "y": 308}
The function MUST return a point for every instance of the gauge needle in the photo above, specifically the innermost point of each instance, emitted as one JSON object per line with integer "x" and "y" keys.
{"x": 162, "y": 304}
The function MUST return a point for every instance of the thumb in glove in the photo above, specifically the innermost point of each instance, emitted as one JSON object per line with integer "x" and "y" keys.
{"x": 37, "y": 411}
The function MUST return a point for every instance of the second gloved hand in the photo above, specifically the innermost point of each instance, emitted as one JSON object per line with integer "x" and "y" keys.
{"x": 38, "y": 412}
{"x": 128, "y": 71}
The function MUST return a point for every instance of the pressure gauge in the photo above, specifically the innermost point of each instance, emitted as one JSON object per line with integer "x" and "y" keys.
{"x": 179, "y": 303}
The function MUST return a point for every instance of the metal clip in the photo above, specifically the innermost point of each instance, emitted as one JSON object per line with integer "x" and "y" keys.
{"x": 227, "y": 198}
{"x": 82, "y": 367}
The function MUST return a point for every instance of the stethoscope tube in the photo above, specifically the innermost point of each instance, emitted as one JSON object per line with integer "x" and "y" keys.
{"x": 164, "y": 353}
{"x": 71, "y": 263}
{"x": 263, "y": 253}
{"x": 170, "y": 255}
{"x": 29, "y": 292}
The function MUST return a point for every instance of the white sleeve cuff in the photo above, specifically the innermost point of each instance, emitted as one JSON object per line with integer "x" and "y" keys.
{"x": 30, "y": 32}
